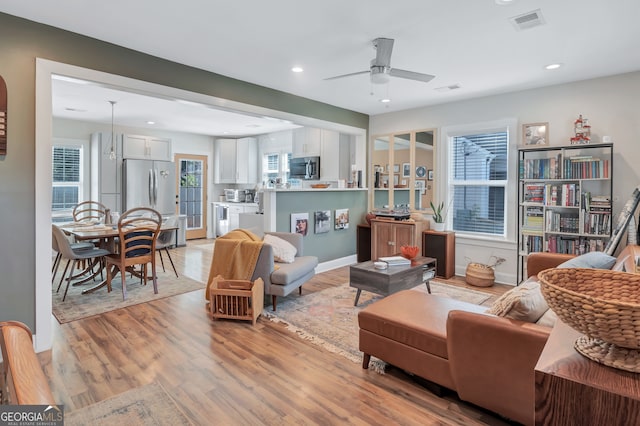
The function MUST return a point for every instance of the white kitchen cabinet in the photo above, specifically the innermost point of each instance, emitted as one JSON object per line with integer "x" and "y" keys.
{"x": 329, "y": 155}
{"x": 106, "y": 174}
{"x": 147, "y": 148}
{"x": 236, "y": 161}
{"x": 306, "y": 142}
{"x": 234, "y": 216}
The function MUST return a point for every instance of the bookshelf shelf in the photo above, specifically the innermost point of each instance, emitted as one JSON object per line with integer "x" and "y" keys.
{"x": 564, "y": 199}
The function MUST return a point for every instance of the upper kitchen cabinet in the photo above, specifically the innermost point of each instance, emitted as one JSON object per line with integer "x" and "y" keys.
{"x": 306, "y": 142}
{"x": 236, "y": 161}
{"x": 147, "y": 148}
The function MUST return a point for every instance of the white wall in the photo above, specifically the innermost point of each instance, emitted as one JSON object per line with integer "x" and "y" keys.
{"x": 612, "y": 105}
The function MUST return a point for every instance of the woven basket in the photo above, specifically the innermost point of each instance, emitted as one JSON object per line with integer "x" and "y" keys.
{"x": 604, "y": 305}
{"x": 479, "y": 275}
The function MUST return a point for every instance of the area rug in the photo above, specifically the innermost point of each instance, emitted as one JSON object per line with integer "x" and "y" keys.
{"x": 146, "y": 405}
{"x": 77, "y": 305}
{"x": 329, "y": 319}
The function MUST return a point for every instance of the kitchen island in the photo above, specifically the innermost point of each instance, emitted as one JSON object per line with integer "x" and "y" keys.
{"x": 335, "y": 243}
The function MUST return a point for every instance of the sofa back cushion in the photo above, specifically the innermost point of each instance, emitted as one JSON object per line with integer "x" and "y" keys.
{"x": 593, "y": 259}
{"x": 283, "y": 251}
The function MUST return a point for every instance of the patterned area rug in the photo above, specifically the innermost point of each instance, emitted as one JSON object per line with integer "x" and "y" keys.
{"x": 77, "y": 305}
{"x": 146, "y": 405}
{"x": 329, "y": 319}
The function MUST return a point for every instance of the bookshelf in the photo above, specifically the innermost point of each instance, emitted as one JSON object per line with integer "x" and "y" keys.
{"x": 564, "y": 199}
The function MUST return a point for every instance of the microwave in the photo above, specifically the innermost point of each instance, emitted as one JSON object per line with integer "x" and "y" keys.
{"x": 307, "y": 168}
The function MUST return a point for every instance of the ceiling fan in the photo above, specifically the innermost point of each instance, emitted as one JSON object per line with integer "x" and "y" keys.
{"x": 380, "y": 69}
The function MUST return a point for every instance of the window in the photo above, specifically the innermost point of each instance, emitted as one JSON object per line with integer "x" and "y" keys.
{"x": 478, "y": 182}
{"x": 67, "y": 182}
{"x": 275, "y": 165}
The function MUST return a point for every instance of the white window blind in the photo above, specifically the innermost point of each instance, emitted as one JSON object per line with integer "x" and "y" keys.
{"x": 66, "y": 177}
{"x": 478, "y": 182}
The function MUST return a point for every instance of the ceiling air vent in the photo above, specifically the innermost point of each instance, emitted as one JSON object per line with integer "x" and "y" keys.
{"x": 527, "y": 20}
{"x": 447, "y": 88}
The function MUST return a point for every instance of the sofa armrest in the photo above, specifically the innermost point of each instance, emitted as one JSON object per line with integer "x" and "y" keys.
{"x": 264, "y": 266}
{"x": 537, "y": 262}
{"x": 492, "y": 361}
{"x": 293, "y": 238}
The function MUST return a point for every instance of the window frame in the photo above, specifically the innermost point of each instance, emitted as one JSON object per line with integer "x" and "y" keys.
{"x": 446, "y": 181}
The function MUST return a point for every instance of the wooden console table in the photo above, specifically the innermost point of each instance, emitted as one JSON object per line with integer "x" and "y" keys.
{"x": 573, "y": 390}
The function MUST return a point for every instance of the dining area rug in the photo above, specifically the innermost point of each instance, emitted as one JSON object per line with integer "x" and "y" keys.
{"x": 329, "y": 319}
{"x": 147, "y": 405}
{"x": 77, "y": 305}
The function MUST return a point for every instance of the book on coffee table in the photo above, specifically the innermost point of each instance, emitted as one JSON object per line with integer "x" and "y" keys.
{"x": 395, "y": 260}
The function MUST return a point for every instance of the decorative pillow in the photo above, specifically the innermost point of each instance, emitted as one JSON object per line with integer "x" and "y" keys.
{"x": 283, "y": 251}
{"x": 524, "y": 302}
{"x": 593, "y": 259}
{"x": 548, "y": 319}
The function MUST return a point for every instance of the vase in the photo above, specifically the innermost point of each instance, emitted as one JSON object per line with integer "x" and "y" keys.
{"x": 438, "y": 226}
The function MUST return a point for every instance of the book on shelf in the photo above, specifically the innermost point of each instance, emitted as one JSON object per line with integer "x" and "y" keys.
{"x": 395, "y": 260}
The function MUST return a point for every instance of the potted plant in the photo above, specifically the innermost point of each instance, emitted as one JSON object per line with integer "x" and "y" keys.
{"x": 439, "y": 216}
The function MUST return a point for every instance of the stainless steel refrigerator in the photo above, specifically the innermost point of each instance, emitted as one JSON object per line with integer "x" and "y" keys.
{"x": 148, "y": 183}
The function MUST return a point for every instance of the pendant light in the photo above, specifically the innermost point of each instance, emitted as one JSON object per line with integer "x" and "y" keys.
{"x": 112, "y": 151}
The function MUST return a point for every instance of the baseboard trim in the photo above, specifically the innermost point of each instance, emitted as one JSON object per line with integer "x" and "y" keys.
{"x": 336, "y": 263}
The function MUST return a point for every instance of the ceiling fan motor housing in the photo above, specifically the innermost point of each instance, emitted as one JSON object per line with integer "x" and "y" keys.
{"x": 379, "y": 74}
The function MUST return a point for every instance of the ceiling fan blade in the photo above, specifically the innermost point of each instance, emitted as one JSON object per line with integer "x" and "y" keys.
{"x": 348, "y": 75}
{"x": 395, "y": 72}
{"x": 384, "y": 47}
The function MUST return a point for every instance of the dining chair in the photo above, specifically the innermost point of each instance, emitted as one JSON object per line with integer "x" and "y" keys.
{"x": 64, "y": 245}
{"x": 89, "y": 210}
{"x": 138, "y": 231}
{"x": 165, "y": 241}
{"x": 58, "y": 258}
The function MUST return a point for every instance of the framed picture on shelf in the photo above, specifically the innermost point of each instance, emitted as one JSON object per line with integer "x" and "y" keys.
{"x": 396, "y": 180}
{"x": 430, "y": 175}
{"x": 535, "y": 134}
{"x": 396, "y": 168}
{"x": 406, "y": 170}
{"x": 421, "y": 184}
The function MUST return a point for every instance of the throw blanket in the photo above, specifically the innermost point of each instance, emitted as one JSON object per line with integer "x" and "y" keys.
{"x": 234, "y": 257}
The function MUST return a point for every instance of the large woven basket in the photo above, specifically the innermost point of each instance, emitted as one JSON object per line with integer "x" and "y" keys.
{"x": 604, "y": 305}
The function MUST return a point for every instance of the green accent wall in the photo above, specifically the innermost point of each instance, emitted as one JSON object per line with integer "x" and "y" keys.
{"x": 334, "y": 244}
{"x": 23, "y": 41}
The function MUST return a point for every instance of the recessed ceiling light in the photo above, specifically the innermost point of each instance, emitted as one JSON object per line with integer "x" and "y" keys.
{"x": 151, "y": 122}
{"x": 75, "y": 109}
{"x": 504, "y": 2}
{"x": 385, "y": 100}
{"x": 552, "y": 66}
{"x": 297, "y": 69}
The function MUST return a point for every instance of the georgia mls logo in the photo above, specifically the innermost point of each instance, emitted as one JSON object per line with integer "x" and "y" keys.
{"x": 31, "y": 415}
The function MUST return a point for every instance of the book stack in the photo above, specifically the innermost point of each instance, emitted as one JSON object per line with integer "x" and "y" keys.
{"x": 395, "y": 260}
{"x": 597, "y": 218}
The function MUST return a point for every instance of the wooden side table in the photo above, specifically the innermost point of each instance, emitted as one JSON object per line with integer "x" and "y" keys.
{"x": 363, "y": 242}
{"x": 442, "y": 246}
{"x": 573, "y": 390}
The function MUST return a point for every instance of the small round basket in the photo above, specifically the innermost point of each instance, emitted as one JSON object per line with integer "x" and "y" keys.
{"x": 603, "y": 305}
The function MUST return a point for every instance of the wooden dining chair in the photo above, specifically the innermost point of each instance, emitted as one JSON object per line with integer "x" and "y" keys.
{"x": 64, "y": 245}
{"x": 138, "y": 231}
{"x": 89, "y": 210}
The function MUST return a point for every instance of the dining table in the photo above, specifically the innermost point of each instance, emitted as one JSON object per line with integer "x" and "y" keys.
{"x": 106, "y": 235}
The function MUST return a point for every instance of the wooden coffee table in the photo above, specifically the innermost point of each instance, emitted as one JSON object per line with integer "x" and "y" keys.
{"x": 364, "y": 276}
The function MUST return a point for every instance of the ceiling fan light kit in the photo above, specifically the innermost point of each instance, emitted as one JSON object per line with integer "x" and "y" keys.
{"x": 380, "y": 68}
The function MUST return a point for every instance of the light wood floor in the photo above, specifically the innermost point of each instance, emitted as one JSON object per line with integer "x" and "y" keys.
{"x": 232, "y": 373}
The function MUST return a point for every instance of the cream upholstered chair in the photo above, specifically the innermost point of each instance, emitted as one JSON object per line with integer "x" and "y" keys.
{"x": 58, "y": 258}
{"x": 164, "y": 242}
{"x": 67, "y": 252}
{"x": 138, "y": 231}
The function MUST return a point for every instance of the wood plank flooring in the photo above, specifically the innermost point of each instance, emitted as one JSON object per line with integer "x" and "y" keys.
{"x": 232, "y": 373}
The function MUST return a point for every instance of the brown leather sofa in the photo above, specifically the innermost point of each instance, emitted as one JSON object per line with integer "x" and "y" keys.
{"x": 488, "y": 360}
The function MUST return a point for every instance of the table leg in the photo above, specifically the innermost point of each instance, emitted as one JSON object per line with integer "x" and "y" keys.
{"x": 100, "y": 284}
{"x": 428, "y": 286}
{"x": 355, "y": 303}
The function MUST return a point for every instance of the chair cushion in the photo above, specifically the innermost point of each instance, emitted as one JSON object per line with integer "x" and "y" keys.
{"x": 287, "y": 273}
{"x": 283, "y": 251}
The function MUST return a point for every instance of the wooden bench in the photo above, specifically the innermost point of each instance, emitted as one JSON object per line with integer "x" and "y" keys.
{"x": 23, "y": 381}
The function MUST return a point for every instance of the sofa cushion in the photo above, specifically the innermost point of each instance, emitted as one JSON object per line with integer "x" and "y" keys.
{"x": 283, "y": 251}
{"x": 524, "y": 302}
{"x": 593, "y": 259}
{"x": 287, "y": 273}
{"x": 416, "y": 319}
{"x": 548, "y": 319}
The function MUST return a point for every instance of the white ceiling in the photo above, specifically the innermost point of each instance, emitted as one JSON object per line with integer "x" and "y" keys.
{"x": 471, "y": 43}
